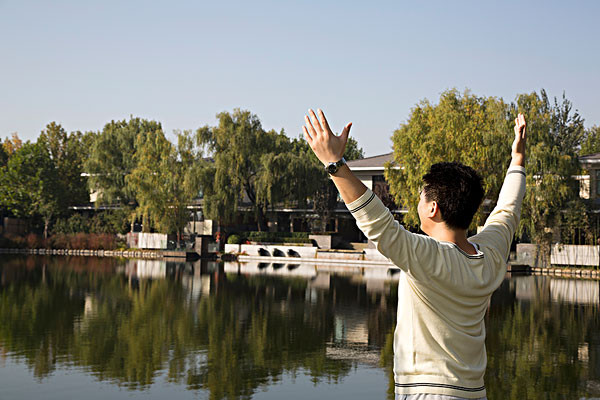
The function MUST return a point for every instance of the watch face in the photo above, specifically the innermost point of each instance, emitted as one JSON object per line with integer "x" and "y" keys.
{"x": 332, "y": 168}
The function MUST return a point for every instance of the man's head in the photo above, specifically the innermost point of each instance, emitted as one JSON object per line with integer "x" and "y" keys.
{"x": 452, "y": 193}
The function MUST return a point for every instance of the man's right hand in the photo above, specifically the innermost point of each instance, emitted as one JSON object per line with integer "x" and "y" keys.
{"x": 518, "y": 146}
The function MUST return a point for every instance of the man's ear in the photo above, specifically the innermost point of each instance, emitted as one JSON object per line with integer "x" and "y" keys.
{"x": 434, "y": 210}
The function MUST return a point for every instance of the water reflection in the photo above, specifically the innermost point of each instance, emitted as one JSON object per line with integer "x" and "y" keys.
{"x": 232, "y": 330}
{"x": 226, "y": 333}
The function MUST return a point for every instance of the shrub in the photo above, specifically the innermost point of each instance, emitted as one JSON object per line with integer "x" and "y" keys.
{"x": 235, "y": 239}
{"x": 76, "y": 223}
{"x": 33, "y": 241}
{"x": 78, "y": 241}
{"x": 102, "y": 241}
{"x": 59, "y": 241}
{"x": 278, "y": 237}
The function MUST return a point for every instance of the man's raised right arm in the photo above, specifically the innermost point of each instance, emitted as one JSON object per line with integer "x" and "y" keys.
{"x": 502, "y": 223}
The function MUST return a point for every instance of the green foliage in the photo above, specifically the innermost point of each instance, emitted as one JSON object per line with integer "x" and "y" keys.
{"x": 477, "y": 131}
{"x": 263, "y": 166}
{"x": 68, "y": 155}
{"x": 76, "y": 223}
{"x": 591, "y": 141}
{"x": 235, "y": 239}
{"x": 112, "y": 157}
{"x": 552, "y": 198}
{"x": 353, "y": 151}
{"x": 465, "y": 128}
{"x": 269, "y": 237}
{"x": 3, "y": 157}
{"x": 110, "y": 221}
{"x": 165, "y": 180}
{"x": 29, "y": 185}
{"x": 72, "y": 241}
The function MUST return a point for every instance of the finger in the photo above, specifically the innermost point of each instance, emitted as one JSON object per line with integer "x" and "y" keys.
{"x": 524, "y": 126}
{"x": 315, "y": 121}
{"x": 310, "y": 128}
{"x": 324, "y": 122}
{"x": 346, "y": 132}
{"x": 306, "y": 135}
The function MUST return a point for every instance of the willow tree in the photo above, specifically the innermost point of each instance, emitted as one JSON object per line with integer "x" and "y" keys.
{"x": 461, "y": 127}
{"x": 250, "y": 163}
{"x": 165, "y": 180}
{"x": 112, "y": 158}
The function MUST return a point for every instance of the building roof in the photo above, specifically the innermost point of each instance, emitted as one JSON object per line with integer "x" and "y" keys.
{"x": 375, "y": 162}
{"x": 590, "y": 158}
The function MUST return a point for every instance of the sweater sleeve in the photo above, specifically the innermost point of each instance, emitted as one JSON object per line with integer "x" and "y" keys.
{"x": 393, "y": 241}
{"x": 501, "y": 225}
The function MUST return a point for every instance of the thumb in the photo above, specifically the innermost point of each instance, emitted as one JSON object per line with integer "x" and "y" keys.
{"x": 346, "y": 132}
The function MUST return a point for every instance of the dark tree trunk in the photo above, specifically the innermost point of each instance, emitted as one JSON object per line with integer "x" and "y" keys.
{"x": 261, "y": 220}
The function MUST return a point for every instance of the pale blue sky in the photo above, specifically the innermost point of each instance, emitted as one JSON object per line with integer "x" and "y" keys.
{"x": 83, "y": 63}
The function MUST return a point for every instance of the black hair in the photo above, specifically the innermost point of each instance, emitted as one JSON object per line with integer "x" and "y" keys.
{"x": 458, "y": 191}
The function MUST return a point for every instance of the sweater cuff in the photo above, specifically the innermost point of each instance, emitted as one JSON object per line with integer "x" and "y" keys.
{"x": 363, "y": 205}
{"x": 516, "y": 169}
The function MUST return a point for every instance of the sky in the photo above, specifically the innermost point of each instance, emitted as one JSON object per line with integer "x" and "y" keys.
{"x": 85, "y": 63}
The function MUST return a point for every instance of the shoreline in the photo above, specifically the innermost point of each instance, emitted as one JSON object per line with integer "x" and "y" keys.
{"x": 557, "y": 271}
{"x": 153, "y": 254}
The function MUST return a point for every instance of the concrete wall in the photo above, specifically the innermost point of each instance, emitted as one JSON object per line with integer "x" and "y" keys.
{"x": 253, "y": 250}
{"x": 141, "y": 240}
{"x": 527, "y": 254}
{"x": 564, "y": 254}
{"x": 374, "y": 255}
{"x": 306, "y": 252}
{"x": 205, "y": 227}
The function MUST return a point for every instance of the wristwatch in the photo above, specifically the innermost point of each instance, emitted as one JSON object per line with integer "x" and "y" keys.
{"x": 333, "y": 167}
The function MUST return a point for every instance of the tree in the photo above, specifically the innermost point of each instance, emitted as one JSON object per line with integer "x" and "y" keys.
{"x": 13, "y": 144}
{"x": 465, "y": 128}
{"x": 250, "y": 162}
{"x": 68, "y": 155}
{"x": 591, "y": 141}
{"x": 112, "y": 156}
{"x": 3, "y": 157}
{"x": 165, "y": 180}
{"x": 554, "y": 135}
{"x": 29, "y": 185}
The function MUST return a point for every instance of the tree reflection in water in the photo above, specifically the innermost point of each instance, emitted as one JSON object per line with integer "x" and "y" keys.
{"x": 241, "y": 334}
{"x": 232, "y": 334}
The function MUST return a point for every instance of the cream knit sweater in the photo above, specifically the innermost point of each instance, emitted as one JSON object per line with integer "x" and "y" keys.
{"x": 443, "y": 293}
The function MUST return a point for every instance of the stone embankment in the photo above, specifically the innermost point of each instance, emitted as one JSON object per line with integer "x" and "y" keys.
{"x": 94, "y": 253}
{"x": 568, "y": 272}
{"x": 307, "y": 254}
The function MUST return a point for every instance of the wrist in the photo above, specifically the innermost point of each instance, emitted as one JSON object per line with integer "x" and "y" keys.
{"x": 334, "y": 166}
{"x": 518, "y": 159}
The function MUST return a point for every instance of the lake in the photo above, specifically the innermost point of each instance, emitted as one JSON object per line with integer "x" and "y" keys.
{"x": 85, "y": 327}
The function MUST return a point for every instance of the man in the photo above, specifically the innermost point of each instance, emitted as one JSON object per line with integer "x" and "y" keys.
{"x": 439, "y": 341}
